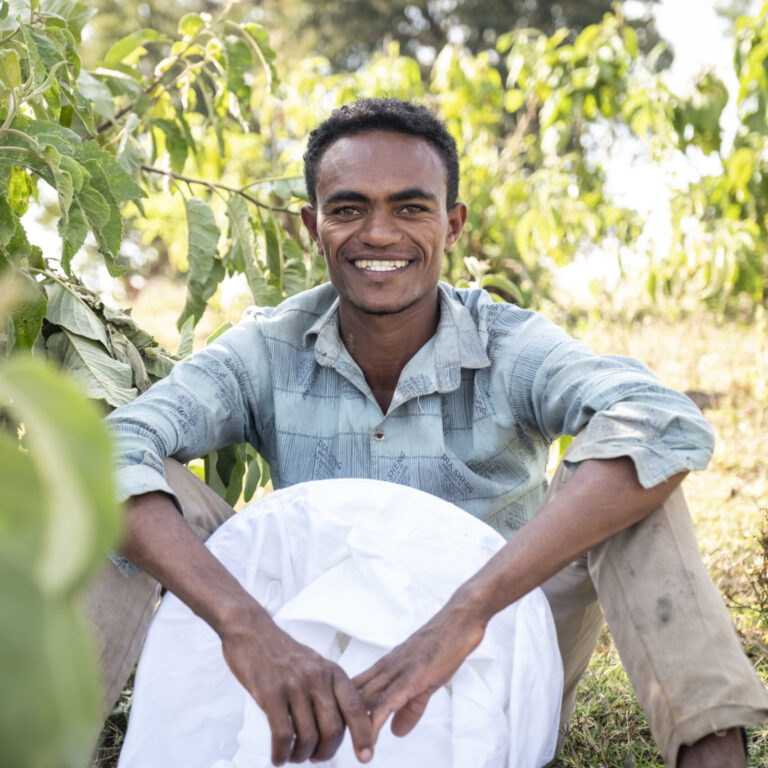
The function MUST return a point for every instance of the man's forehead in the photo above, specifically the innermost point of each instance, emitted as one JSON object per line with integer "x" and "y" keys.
{"x": 383, "y": 152}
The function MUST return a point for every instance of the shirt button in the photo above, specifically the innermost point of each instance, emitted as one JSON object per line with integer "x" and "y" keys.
{"x": 378, "y": 435}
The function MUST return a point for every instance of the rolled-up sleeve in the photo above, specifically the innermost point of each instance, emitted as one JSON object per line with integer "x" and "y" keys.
{"x": 204, "y": 404}
{"x": 622, "y": 407}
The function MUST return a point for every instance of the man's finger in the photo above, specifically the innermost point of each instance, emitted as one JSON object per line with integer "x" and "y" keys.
{"x": 330, "y": 722}
{"x": 365, "y": 677}
{"x": 305, "y": 727}
{"x": 281, "y": 727}
{"x": 355, "y": 715}
{"x": 406, "y": 717}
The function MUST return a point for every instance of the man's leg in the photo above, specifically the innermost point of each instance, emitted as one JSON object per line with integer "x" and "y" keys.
{"x": 120, "y": 608}
{"x": 672, "y": 631}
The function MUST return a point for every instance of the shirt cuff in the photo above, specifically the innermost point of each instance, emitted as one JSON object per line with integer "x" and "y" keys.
{"x": 656, "y": 453}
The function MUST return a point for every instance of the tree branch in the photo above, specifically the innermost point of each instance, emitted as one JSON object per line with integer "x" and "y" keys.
{"x": 216, "y": 185}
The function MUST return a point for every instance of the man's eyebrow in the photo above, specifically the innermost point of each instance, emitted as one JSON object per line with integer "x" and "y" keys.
{"x": 351, "y": 196}
{"x": 413, "y": 193}
{"x": 347, "y": 195}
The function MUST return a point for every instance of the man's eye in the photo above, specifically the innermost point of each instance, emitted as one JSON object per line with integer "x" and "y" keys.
{"x": 412, "y": 209}
{"x": 345, "y": 210}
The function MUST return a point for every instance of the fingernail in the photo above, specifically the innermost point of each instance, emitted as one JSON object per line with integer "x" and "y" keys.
{"x": 366, "y": 755}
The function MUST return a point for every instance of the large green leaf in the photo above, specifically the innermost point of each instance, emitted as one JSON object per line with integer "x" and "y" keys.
{"x": 98, "y": 93}
{"x": 175, "y": 143}
{"x": 205, "y": 270}
{"x": 127, "y": 45}
{"x": 111, "y": 173}
{"x": 22, "y": 502}
{"x": 73, "y": 230}
{"x": 67, "y": 310}
{"x": 72, "y": 454}
{"x": 49, "y": 700}
{"x": 75, "y": 13}
{"x": 100, "y": 376}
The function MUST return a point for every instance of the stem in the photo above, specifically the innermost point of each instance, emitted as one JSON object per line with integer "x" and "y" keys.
{"x": 214, "y": 185}
{"x": 254, "y": 47}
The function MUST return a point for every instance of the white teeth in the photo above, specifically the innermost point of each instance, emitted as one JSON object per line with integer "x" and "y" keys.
{"x": 379, "y": 265}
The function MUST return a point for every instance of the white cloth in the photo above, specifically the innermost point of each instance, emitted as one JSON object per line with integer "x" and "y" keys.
{"x": 351, "y": 568}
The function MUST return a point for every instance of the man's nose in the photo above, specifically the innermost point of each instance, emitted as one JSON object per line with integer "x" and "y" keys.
{"x": 379, "y": 229}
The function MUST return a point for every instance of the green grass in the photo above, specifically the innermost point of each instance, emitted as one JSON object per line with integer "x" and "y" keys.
{"x": 727, "y": 363}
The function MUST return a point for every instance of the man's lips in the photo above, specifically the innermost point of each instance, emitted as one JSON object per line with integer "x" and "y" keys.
{"x": 381, "y": 265}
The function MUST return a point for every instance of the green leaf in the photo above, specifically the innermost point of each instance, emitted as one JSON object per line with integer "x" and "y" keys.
{"x": 127, "y": 45}
{"x": 28, "y": 318}
{"x": 72, "y": 452}
{"x": 274, "y": 251}
{"x": 127, "y": 353}
{"x": 100, "y": 376}
{"x": 190, "y": 24}
{"x": 67, "y": 310}
{"x": 4, "y": 10}
{"x": 186, "y": 337}
{"x": 252, "y": 474}
{"x": 97, "y": 93}
{"x": 18, "y": 248}
{"x": 242, "y": 248}
{"x": 72, "y": 232}
{"x": 514, "y": 99}
{"x": 10, "y": 61}
{"x": 76, "y": 14}
{"x": 117, "y": 180}
{"x": 8, "y": 222}
{"x": 175, "y": 143}
{"x": 22, "y": 502}
{"x": 20, "y": 189}
{"x": 103, "y": 214}
{"x": 225, "y": 326}
{"x": 225, "y": 470}
{"x": 205, "y": 270}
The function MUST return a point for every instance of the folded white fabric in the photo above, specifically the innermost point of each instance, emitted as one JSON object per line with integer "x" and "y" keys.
{"x": 351, "y": 568}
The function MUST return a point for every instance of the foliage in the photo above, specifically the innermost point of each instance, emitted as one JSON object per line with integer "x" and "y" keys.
{"x": 58, "y": 516}
{"x": 348, "y": 37}
{"x": 719, "y": 248}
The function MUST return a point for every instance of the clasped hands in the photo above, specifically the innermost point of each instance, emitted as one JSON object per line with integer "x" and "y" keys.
{"x": 309, "y": 701}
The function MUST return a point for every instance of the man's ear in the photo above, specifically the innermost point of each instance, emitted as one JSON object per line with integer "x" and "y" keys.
{"x": 457, "y": 217}
{"x": 309, "y": 218}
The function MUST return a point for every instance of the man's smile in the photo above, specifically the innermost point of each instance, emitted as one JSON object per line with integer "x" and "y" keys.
{"x": 381, "y": 265}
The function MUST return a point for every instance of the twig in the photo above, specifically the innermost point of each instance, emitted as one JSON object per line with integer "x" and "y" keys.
{"x": 217, "y": 185}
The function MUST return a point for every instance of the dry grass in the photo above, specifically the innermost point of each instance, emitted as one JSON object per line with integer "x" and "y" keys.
{"x": 726, "y": 363}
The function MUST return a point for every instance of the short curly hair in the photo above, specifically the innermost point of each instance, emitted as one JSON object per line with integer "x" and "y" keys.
{"x": 382, "y": 115}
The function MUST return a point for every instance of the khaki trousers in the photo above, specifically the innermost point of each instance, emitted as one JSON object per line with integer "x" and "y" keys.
{"x": 669, "y": 623}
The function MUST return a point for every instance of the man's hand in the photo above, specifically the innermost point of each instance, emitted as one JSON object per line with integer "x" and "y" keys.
{"x": 601, "y": 498}
{"x": 307, "y": 699}
{"x": 403, "y": 680}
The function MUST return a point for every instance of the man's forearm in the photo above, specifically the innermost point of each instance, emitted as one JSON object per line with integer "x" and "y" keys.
{"x": 159, "y": 541}
{"x": 600, "y": 499}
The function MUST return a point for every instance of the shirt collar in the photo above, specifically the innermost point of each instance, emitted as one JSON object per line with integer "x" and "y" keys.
{"x": 457, "y": 344}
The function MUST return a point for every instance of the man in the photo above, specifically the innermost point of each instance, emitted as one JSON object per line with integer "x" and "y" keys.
{"x": 387, "y": 373}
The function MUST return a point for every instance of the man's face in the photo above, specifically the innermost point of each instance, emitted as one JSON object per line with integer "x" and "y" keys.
{"x": 381, "y": 220}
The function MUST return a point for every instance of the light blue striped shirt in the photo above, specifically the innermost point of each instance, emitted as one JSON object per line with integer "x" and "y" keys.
{"x": 471, "y": 420}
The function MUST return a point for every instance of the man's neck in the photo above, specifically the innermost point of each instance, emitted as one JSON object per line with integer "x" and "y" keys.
{"x": 382, "y": 345}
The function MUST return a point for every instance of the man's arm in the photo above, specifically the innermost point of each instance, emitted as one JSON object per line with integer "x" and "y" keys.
{"x": 308, "y": 700}
{"x": 600, "y": 499}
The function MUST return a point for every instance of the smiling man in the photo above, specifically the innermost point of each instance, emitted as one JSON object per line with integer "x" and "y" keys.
{"x": 387, "y": 373}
